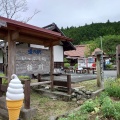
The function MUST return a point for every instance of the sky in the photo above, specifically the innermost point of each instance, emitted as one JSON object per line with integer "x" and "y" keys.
{"x": 73, "y": 12}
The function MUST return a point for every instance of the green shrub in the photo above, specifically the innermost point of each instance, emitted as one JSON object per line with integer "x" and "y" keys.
{"x": 112, "y": 87}
{"x": 117, "y": 113}
{"x": 76, "y": 66}
{"x": 23, "y": 77}
{"x": 66, "y": 65}
{"x": 4, "y": 80}
{"x": 76, "y": 116}
{"x": 108, "y": 110}
{"x": 88, "y": 106}
{"x": 66, "y": 60}
{"x": 102, "y": 96}
{"x": 109, "y": 66}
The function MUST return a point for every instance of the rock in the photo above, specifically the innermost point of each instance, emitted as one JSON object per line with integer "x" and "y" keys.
{"x": 53, "y": 97}
{"x": 74, "y": 99}
{"x": 80, "y": 92}
{"x": 83, "y": 90}
{"x": 80, "y": 102}
{"x": 88, "y": 92}
{"x": 76, "y": 89}
{"x": 84, "y": 99}
{"x": 88, "y": 96}
{"x": 73, "y": 94}
{"x": 47, "y": 87}
{"x": 52, "y": 118}
{"x": 79, "y": 97}
{"x": 84, "y": 95}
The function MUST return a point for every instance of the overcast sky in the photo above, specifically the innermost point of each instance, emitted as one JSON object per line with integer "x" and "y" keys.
{"x": 73, "y": 12}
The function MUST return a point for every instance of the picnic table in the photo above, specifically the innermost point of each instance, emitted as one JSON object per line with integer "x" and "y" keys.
{"x": 89, "y": 68}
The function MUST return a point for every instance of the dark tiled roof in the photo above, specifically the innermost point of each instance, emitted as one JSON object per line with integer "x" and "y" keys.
{"x": 67, "y": 45}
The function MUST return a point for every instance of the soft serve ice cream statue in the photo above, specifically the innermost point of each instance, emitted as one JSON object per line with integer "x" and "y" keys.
{"x": 14, "y": 97}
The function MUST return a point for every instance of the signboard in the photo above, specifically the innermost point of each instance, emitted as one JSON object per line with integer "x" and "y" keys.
{"x": 32, "y": 61}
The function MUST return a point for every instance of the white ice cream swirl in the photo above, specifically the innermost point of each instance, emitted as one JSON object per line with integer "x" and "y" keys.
{"x": 15, "y": 89}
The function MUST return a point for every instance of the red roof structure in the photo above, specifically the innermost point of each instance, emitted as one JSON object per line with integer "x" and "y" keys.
{"x": 14, "y": 31}
{"x": 79, "y": 52}
{"x": 30, "y": 31}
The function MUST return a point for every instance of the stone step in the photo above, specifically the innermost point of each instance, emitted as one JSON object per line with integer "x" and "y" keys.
{"x": 4, "y": 114}
{"x": 59, "y": 95}
{"x": 3, "y": 103}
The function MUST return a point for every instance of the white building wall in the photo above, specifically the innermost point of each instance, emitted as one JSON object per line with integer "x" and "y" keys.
{"x": 58, "y": 53}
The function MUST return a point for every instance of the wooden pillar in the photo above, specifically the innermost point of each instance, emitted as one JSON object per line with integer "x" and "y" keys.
{"x": 39, "y": 79}
{"x": 11, "y": 56}
{"x": 99, "y": 65}
{"x": 69, "y": 83}
{"x": 0, "y": 87}
{"x": 118, "y": 60}
{"x": 51, "y": 67}
{"x": 27, "y": 94}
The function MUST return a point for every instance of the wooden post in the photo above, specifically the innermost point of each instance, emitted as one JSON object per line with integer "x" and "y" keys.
{"x": 69, "y": 83}
{"x": 0, "y": 87}
{"x": 11, "y": 56}
{"x": 51, "y": 67}
{"x": 39, "y": 79}
{"x": 118, "y": 60}
{"x": 99, "y": 65}
{"x": 27, "y": 94}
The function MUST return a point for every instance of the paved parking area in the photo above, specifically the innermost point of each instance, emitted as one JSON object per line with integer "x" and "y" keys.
{"x": 82, "y": 77}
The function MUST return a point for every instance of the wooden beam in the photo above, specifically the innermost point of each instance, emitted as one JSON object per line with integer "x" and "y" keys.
{"x": 34, "y": 40}
{"x": 55, "y": 43}
{"x": 40, "y": 83}
{"x": 15, "y": 36}
{"x": 11, "y": 56}
{"x": 2, "y": 34}
{"x": 51, "y": 43}
{"x": 30, "y": 39}
{"x": 51, "y": 66}
{"x": 35, "y": 33}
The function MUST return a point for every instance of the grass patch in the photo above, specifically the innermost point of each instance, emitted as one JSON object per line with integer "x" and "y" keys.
{"x": 89, "y": 85}
{"x": 47, "y": 107}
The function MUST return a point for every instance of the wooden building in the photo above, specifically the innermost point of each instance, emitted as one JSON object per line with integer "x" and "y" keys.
{"x": 13, "y": 31}
{"x": 34, "y": 59}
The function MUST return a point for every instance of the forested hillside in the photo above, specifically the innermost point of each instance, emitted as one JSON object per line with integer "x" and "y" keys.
{"x": 93, "y": 35}
{"x": 90, "y": 32}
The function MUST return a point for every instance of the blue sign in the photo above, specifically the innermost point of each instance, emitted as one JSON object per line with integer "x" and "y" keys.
{"x": 35, "y": 51}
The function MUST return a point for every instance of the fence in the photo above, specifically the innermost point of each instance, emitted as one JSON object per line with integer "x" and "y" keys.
{"x": 28, "y": 85}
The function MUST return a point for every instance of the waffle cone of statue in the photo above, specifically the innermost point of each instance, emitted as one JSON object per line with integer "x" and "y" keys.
{"x": 14, "y": 97}
{"x": 14, "y": 108}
